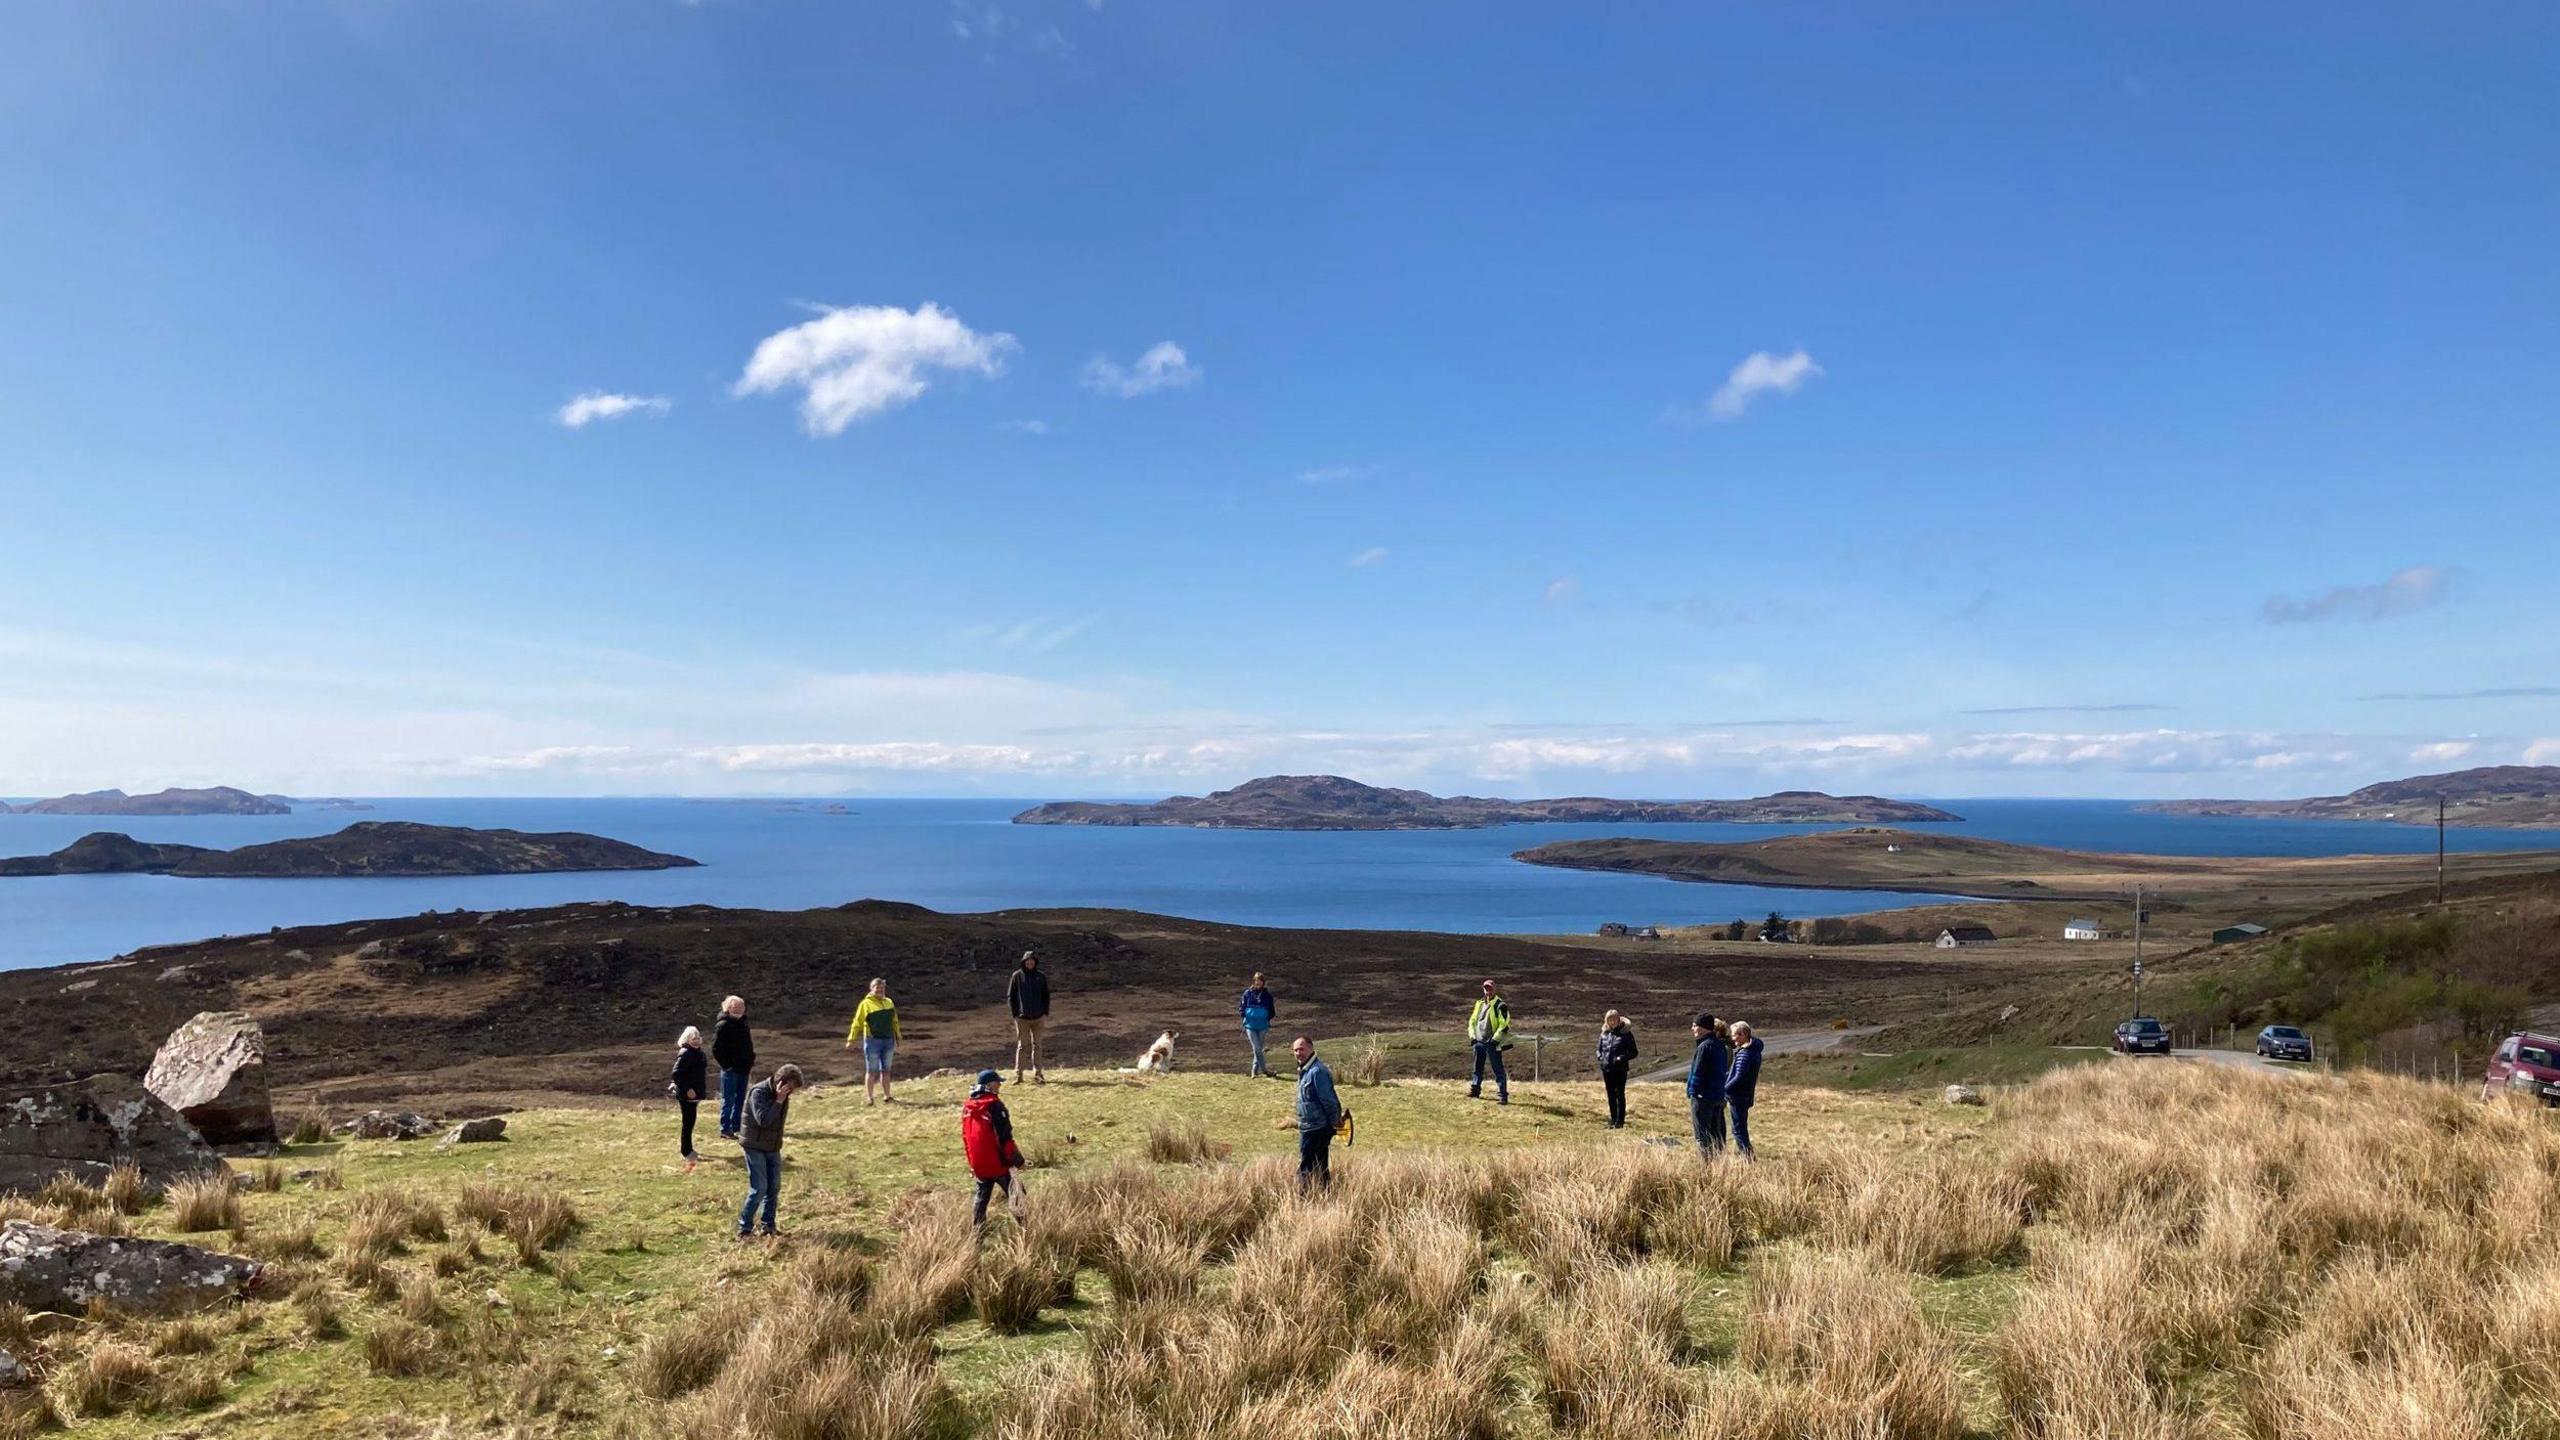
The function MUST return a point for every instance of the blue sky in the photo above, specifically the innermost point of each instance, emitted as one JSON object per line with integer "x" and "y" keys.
{"x": 1641, "y": 399}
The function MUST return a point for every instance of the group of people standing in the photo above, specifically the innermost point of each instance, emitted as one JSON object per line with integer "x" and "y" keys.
{"x": 1723, "y": 1081}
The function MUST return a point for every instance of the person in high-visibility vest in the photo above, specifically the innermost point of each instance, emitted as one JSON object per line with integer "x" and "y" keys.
{"x": 1489, "y": 1030}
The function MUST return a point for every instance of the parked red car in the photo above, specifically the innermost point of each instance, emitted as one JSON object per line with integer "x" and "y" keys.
{"x": 2526, "y": 1064}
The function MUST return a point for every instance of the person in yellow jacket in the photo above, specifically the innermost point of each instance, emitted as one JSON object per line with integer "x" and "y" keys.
{"x": 875, "y": 1027}
{"x": 1489, "y": 1030}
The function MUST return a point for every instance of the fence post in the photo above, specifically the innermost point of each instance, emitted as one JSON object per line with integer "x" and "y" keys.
{"x": 1537, "y": 1055}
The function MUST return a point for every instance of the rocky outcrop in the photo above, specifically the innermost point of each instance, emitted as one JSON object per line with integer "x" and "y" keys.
{"x": 42, "y": 1268}
{"x": 213, "y": 1071}
{"x": 85, "y": 1128}
{"x": 388, "y": 1125}
{"x": 476, "y": 1132}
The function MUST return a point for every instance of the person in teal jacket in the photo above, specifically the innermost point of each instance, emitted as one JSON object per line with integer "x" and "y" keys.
{"x": 1257, "y": 1008}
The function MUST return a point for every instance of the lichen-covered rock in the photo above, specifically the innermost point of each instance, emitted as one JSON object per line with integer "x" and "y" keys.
{"x": 85, "y": 1128}
{"x": 389, "y": 1125}
{"x": 13, "y": 1373}
{"x": 1963, "y": 1095}
{"x": 476, "y": 1132}
{"x": 213, "y": 1070}
{"x": 42, "y": 1268}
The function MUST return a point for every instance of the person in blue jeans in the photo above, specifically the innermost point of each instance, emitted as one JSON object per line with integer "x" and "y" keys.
{"x": 1319, "y": 1116}
{"x": 1489, "y": 1032}
{"x": 733, "y": 1049}
{"x": 760, "y": 1135}
{"x": 1707, "y": 1067}
{"x": 1742, "y": 1084}
{"x": 1257, "y": 1007}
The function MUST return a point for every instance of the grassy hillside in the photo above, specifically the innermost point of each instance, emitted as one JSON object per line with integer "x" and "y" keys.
{"x": 2132, "y": 1248}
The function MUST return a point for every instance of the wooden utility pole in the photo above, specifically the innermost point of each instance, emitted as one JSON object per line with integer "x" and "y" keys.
{"x": 2137, "y": 949}
{"x": 2439, "y": 850}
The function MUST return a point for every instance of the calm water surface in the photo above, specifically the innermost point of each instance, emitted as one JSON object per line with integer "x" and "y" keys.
{"x": 963, "y": 855}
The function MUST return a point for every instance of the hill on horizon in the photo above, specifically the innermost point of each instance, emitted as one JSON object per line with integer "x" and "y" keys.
{"x": 1331, "y": 802}
{"x": 2487, "y": 795}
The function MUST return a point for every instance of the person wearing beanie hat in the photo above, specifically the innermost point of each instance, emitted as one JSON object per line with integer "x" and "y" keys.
{"x": 986, "y": 1138}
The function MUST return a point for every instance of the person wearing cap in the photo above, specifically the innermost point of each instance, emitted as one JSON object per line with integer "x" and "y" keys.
{"x": 1742, "y": 1084}
{"x": 760, "y": 1122}
{"x": 1027, "y": 996}
{"x": 986, "y": 1138}
{"x": 1707, "y": 1066}
{"x": 1489, "y": 1031}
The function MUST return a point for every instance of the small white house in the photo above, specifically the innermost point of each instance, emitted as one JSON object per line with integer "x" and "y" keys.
{"x": 1961, "y": 935}
{"x": 2087, "y": 930}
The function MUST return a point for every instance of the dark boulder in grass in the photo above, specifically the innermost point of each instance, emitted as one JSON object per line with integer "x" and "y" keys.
{"x": 213, "y": 1071}
{"x": 42, "y": 1268}
{"x": 475, "y": 1132}
{"x": 85, "y": 1128}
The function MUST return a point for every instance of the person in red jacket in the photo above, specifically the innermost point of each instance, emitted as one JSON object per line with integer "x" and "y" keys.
{"x": 986, "y": 1137}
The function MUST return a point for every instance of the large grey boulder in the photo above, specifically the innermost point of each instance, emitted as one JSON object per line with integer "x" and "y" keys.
{"x": 475, "y": 1132}
{"x": 213, "y": 1070}
{"x": 42, "y": 1268}
{"x": 85, "y": 1128}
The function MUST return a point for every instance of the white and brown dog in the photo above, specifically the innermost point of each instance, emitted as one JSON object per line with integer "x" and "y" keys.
{"x": 1157, "y": 1059}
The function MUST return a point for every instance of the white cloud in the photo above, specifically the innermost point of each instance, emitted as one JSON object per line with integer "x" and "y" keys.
{"x": 1023, "y": 427}
{"x": 594, "y": 405}
{"x": 1562, "y": 589}
{"x": 2403, "y": 593}
{"x": 2442, "y": 752}
{"x": 1040, "y": 634}
{"x": 862, "y": 360}
{"x": 2542, "y": 752}
{"x": 1332, "y": 474}
{"x": 1163, "y": 367}
{"x": 1760, "y": 373}
{"x": 1369, "y": 557}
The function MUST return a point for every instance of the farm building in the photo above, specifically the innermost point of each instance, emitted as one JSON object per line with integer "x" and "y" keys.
{"x": 2235, "y": 934}
{"x": 1956, "y": 935}
{"x": 2087, "y": 930}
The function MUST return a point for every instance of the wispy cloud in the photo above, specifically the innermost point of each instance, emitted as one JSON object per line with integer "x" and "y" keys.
{"x": 2508, "y": 692}
{"x": 1163, "y": 367}
{"x": 985, "y": 23}
{"x": 2122, "y": 708}
{"x": 593, "y": 405}
{"x": 1039, "y": 634}
{"x": 862, "y": 360}
{"x": 2442, "y": 752}
{"x": 1371, "y": 556}
{"x": 1760, "y": 373}
{"x": 1562, "y": 588}
{"x": 1023, "y": 427}
{"x": 1334, "y": 474}
{"x": 2405, "y": 592}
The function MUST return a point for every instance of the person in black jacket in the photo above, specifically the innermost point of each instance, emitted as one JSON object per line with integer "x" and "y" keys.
{"x": 1617, "y": 1052}
{"x": 1742, "y": 1084}
{"x": 1027, "y": 996}
{"x": 760, "y": 1122}
{"x": 733, "y": 1049}
{"x": 687, "y": 1082}
{"x": 1707, "y": 1066}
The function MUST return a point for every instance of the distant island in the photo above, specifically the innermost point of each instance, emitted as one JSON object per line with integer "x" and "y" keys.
{"x": 218, "y": 800}
{"x": 2492, "y": 795}
{"x": 368, "y": 848}
{"x": 1330, "y": 802}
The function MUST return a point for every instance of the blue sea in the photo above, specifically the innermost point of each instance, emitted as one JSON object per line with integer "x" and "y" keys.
{"x": 962, "y": 855}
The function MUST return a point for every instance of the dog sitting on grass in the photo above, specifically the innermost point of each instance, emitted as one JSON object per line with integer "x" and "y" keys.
{"x": 1157, "y": 1059}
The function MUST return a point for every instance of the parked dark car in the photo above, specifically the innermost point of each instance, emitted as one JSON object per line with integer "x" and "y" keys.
{"x": 2283, "y": 1042}
{"x": 2526, "y": 1064}
{"x": 2142, "y": 1035}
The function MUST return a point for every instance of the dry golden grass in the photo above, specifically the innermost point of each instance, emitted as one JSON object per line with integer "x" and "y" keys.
{"x": 204, "y": 1202}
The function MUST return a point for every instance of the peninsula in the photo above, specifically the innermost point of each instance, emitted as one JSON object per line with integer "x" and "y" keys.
{"x": 2514, "y": 796}
{"x": 1330, "y": 802}
{"x": 218, "y": 800}
{"x": 1911, "y": 862}
{"x": 369, "y": 848}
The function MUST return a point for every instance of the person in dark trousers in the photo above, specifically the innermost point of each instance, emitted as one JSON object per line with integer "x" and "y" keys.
{"x": 1257, "y": 1009}
{"x": 1707, "y": 1066}
{"x": 1742, "y": 1084}
{"x": 733, "y": 1049}
{"x": 687, "y": 1083}
{"x": 986, "y": 1138}
{"x": 1617, "y": 1052}
{"x": 1319, "y": 1115}
{"x": 760, "y": 1122}
{"x": 1489, "y": 1031}
{"x": 1027, "y": 996}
